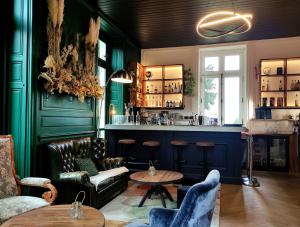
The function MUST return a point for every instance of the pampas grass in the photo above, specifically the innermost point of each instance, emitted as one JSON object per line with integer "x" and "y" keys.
{"x": 60, "y": 13}
{"x": 53, "y": 10}
{"x": 66, "y": 76}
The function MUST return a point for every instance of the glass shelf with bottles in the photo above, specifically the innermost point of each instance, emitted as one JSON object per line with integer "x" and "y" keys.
{"x": 272, "y": 85}
{"x": 280, "y": 83}
{"x": 163, "y": 86}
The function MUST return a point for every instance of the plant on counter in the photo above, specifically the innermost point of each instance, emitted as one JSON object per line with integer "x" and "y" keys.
{"x": 64, "y": 73}
{"x": 189, "y": 82}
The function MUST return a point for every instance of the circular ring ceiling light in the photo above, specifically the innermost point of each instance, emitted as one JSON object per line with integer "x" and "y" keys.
{"x": 219, "y": 24}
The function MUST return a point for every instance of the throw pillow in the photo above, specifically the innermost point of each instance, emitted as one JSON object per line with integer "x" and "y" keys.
{"x": 86, "y": 164}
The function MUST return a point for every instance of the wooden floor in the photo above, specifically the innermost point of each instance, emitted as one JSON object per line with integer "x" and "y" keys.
{"x": 275, "y": 203}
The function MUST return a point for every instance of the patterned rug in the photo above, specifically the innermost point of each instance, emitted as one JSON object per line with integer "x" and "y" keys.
{"x": 124, "y": 208}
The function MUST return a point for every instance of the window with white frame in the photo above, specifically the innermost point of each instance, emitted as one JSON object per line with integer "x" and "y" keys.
{"x": 101, "y": 73}
{"x": 222, "y": 78}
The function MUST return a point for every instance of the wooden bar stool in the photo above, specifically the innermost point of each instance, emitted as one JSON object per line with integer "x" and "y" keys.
{"x": 126, "y": 145}
{"x": 204, "y": 147}
{"x": 152, "y": 146}
{"x": 180, "y": 145}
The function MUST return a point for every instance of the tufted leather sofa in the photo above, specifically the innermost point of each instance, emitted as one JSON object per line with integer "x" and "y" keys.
{"x": 69, "y": 180}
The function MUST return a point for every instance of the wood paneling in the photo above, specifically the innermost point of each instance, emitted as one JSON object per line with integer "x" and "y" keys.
{"x": 19, "y": 83}
{"x": 163, "y": 23}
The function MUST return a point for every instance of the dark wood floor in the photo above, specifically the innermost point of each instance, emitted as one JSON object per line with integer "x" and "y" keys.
{"x": 275, "y": 203}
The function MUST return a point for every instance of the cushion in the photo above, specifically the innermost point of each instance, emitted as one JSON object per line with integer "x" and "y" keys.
{"x": 104, "y": 175}
{"x": 15, "y": 205}
{"x": 86, "y": 164}
{"x": 8, "y": 186}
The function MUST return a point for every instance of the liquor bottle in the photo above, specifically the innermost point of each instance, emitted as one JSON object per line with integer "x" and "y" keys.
{"x": 268, "y": 86}
{"x": 280, "y": 86}
{"x": 175, "y": 89}
{"x": 138, "y": 118}
{"x": 298, "y": 85}
{"x": 159, "y": 102}
{"x": 170, "y": 89}
{"x": 155, "y": 89}
{"x": 292, "y": 85}
{"x": 167, "y": 103}
{"x": 296, "y": 101}
{"x": 263, "y": 85}
{"x": 147, "y": 91}
{"x": 180, "y": 104}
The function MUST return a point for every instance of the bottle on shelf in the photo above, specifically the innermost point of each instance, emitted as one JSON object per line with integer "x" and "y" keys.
{"x": 280, "y": 86}
{"x": 137, "y": 118}
{"x": 292, "y": 85}
{"x": 159, "y": 101}
{"x": 263, "y": 85}
{"x": 155, "y": 89}
{"x": 296, "y": 101}
{"x": 170, "y": 89}
{"x": 147, "y": 90}
{"x": 268, "y": 85}
{"x": 178, "y": 88}
{"x": 151, "y": 89}
{"x": 298, "y": 85}
{"x": 167, "y": 103}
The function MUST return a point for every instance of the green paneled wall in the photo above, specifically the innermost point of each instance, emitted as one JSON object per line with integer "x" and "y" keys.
{"x": 35, "y": 117}
{"x": 19, "y": 62}
{"x": 116, "y": 89}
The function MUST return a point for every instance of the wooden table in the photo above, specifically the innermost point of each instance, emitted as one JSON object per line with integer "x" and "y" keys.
{"x": 157, "y": 181}
{"x": 58, "y": 215}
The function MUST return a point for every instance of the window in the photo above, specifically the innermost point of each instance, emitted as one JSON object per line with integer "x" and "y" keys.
{"x": 101, "y": 73}
{"x": 222, "y": 73}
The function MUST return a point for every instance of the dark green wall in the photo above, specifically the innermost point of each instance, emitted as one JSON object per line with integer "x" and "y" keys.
{"x": 58, "y": 116}
{"x": 33, "y": 116}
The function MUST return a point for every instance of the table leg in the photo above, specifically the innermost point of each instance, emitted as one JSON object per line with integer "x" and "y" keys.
{"x": 162, "y": 198}
{"x": 163, "y": 189}
{"x": 250, "y": 181}
{"x": 147, "y": 195}
{"x": 160, "y": 190}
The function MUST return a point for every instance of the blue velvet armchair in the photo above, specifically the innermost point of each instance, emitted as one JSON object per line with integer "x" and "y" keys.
{"x": 196, "y": 209}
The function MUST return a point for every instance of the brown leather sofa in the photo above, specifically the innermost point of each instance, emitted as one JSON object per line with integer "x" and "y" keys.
{"x": 69, "y": 180}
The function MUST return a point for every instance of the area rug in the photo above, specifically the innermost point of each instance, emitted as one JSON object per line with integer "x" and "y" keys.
{"x": 124, "y": 208}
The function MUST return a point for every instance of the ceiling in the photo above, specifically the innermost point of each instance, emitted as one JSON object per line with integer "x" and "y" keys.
{"x": 166, "y": 23}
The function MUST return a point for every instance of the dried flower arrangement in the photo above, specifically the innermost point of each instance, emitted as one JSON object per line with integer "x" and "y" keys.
{"x": 64, "y": 73}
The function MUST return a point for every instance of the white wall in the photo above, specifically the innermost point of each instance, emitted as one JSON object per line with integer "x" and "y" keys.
{"x": 256, "y": 50}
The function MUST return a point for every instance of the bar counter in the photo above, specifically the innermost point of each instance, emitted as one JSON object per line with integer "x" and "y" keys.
{"x": 227, "y": 155}
{"x": 175, "y": 128}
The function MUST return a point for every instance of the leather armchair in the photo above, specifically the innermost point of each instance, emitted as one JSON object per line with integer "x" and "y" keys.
{"x": 69, "y": 180}
{"x": 195, "y": 210}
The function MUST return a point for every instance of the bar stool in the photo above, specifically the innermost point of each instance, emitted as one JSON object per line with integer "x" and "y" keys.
{"x": 180, "y": 145}
{"x": 126, "y": 144}
{"x": 204, "y": 147}
{"x": 152, "y": 146}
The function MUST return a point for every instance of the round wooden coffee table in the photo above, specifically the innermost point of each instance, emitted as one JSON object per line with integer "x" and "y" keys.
{"x": 157, "y": 181}
{"x": 58, "y": 215}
